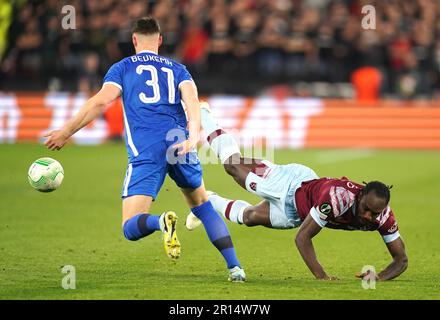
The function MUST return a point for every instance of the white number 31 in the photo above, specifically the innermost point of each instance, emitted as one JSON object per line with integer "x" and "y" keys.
{"x": 154, "y": 83}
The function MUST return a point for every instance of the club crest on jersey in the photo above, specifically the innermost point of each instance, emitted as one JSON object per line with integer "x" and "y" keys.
{"x": 325, "y": 208}
{"x": 253, "y": 186}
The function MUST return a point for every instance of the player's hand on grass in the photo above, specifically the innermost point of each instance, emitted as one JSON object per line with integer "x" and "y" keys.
{"x": 326, "y": 277}
{"x": 366, "y": 275}
{"x": 56, "y": 139}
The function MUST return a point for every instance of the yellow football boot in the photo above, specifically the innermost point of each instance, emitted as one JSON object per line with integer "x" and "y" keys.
{"x": 170, "y": 241}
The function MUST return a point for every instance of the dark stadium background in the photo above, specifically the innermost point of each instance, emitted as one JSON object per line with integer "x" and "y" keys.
{"x": 225, "y": 43}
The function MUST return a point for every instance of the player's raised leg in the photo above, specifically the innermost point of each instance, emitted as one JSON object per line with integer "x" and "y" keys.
{"x": 137, "y": 223}
{"x": 135, "y": 217}
{"x": 142, "y": 183}
{"x": 222, "y": 143}
{"x": 226, "y": 148}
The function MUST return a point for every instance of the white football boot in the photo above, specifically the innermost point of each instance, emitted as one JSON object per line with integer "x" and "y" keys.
{"x": 236, "y": 274}
{"x": 192, "y": 222}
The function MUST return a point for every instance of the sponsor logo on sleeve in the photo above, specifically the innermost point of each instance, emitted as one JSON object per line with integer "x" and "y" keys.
{"x": 253, "y": 186}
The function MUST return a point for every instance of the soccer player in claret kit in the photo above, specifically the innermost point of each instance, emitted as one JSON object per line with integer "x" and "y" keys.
{"x": 152, "y": 88}
{"x": 294, "y": 196}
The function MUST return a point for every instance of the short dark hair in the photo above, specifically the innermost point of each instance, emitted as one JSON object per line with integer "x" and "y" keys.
{"x": 146, "y": 26}
{"x": 379, "y": 188}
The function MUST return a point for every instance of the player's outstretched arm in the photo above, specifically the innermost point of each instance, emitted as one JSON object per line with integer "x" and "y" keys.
{"x": 395, "y": 268}
{"x": 400, "y": 260}
{"x": 91, "y": 110}
{"x": 190, "y": 97}
{"x": 309, "y": 228}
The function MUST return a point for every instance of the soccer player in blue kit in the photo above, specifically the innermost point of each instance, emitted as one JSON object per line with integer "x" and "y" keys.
{"x": 152, "y": 88}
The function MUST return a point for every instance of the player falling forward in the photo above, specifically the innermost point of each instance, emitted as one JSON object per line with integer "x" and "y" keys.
{"x": 294, "y": 196}
{"x": 152, "y": 88}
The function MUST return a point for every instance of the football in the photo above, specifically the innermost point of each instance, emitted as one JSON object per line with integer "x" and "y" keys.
{"x": 45, "y": 174}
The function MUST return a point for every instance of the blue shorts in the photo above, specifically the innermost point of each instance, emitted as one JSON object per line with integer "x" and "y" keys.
{"x": 147, "y": 176}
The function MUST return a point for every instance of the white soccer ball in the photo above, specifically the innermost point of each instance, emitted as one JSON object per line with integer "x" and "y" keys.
{"x": 45, "y": 174}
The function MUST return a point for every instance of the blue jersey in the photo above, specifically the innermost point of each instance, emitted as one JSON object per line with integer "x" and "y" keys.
{"x": 151, "y": 99}
{"x": 152, "y": 109}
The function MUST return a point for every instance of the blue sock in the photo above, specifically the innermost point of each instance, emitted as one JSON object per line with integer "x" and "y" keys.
{"x": 141, "y": 226}
{"x": 217, "y": 232}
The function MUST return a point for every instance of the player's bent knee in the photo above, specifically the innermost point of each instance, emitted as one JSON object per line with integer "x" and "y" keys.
{"x": 231, "y": 169}
{"x": 249, "y": 217}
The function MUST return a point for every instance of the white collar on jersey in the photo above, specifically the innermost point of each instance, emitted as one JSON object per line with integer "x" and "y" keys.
{"x": 144, "y": 51}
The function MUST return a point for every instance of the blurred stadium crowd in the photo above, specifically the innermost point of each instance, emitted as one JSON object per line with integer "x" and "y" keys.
{"x": 309, "y": 47}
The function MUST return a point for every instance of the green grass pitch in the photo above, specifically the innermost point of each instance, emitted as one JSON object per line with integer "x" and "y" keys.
{"x": 80, "y": 225}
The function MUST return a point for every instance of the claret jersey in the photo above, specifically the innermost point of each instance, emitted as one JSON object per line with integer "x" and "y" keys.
{"x": 332, "y": 204}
